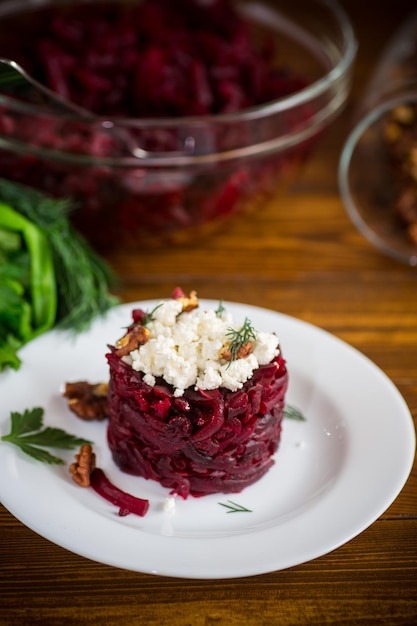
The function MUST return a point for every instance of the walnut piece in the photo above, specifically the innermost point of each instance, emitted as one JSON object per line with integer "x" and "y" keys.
{"x": 85, "y": 462}
{"x": 136, "y": 337}
{"x": 403, "y": 114}
{"x": 88, "y": 401}
{"x": 241, "y": 353}
{"x": 188, "y": 302}
{"x": 406, "y": 205}
{"x": 400, "y": 134}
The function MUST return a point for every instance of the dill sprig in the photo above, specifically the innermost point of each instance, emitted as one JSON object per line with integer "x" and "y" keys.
{"x": 239, "y": 338}
{"x": 293, "y": 413}
{"x": 220, "y": 308}
{"x": 234, "y": 507}
{"x": 150, "y": 315}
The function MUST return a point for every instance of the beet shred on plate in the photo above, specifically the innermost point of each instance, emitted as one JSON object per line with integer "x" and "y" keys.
{"x": 195, "y": 441}
{"x": 153, "y": 59}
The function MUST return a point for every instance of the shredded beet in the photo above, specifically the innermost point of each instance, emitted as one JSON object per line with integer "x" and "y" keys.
{"x": 126, "y": 502}
{"x": 202, "y": 442}
{"x": 155, "y": 58}
{"x": 150, "y": 58}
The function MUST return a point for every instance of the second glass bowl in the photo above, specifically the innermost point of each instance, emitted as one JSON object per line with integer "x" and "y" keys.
{"x": 378, "y": 165}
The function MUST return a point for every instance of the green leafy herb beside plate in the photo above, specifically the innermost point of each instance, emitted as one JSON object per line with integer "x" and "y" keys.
{"x": 27, "y": 433}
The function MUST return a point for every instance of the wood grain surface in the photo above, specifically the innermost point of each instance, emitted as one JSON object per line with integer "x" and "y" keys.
{"x": 301, "y": 256}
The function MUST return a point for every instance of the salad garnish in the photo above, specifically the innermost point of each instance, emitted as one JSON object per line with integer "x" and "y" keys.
{"x": 85, "y": 474}
{"x": 27, "y": 434}
{"x": 49, "y": 274}
{"x": 220, "y": 309}
{"x": 149, "y": 316}
{"x": 293, "y": 413}
{"x": 125, "y": 502}
{"x": 234, "y": 507}
{"x": 240, "y": 341}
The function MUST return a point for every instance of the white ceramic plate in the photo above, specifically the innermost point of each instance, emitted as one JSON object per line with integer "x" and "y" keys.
{"x": 334, "y": 475}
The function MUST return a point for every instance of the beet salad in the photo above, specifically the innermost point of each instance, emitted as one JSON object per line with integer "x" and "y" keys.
{"x": 195, "y": 400}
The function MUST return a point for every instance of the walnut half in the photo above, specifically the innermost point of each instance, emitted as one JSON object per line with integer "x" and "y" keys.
{"x": 85, "y": 462}
{"x": 241, "y": 353}
{"x": 188, "y": 303}
{"x": 88, "y": 401}
{"x": 136, "y": 337}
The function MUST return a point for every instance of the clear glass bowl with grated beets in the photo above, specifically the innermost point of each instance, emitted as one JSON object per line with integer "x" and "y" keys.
{"x": 200, "y": 109}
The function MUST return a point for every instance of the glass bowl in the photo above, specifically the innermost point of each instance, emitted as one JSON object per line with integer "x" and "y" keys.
{"x": 370, "y": 186}
{"x": 378, "y": 164}
{"x": 189, "y": 174}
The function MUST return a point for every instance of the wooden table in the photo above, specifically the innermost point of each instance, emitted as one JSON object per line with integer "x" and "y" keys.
{"x": 303, "y": 258}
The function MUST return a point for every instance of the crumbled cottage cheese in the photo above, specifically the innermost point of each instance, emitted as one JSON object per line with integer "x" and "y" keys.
{"x": 184, "y": 348}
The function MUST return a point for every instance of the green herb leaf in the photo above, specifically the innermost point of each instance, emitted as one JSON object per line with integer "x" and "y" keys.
{"x": 26, "y": 422}
{"x": 220, "y": 309}
{"x": 42, "y": 287}
{"x": 40, "y": 454}
{"x": 234, "y": 507}
{"x": 292, "y": 413}
{"x": 26, "y": 433}
{"x": 49, "y": 274}
{"x": 9, "y": 241}
{"x": 150, "y": 315}
{"x": 54, "y": 438}
{"x": 8, "y": 353}
{"x": 239, "y": 338}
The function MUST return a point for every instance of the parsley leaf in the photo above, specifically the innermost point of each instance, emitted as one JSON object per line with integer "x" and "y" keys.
{"x": 27, "y": 433}
{"x": 26, "y": 422}
{"x": 40, "y": 454}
